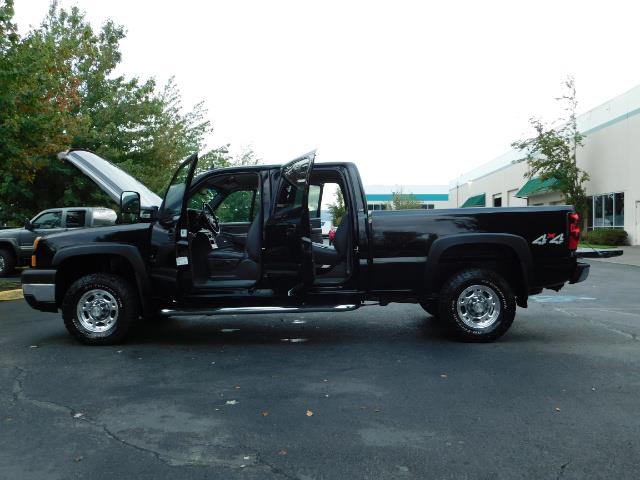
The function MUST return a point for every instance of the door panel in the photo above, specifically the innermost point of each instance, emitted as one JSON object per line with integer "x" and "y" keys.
{"x": 288, "y": 256}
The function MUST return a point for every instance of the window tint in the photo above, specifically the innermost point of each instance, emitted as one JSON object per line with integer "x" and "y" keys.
{"x": 75, "y": 218}
{"x": 48, "y": 220}
{"x": 292, "y": 188}
{"x": 175, "y": 192}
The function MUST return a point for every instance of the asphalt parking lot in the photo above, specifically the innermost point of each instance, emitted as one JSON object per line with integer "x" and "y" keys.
{"x": 377, "y": 393}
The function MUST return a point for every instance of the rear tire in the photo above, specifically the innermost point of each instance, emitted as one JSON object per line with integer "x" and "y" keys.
{"x": 100, "y": 309}
{"x": 477, "y": 305}
{"x": 7, "y": 262}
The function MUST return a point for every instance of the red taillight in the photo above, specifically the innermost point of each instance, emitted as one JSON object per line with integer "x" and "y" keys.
{"x": 574, "y": 231}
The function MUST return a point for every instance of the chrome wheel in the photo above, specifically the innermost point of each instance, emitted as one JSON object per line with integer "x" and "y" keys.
{"x": 478, "y": 306}
{"x": 97, "y": 311}
{"x": 2, "y": 264}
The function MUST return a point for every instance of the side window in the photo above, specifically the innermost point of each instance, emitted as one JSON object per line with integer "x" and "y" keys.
{"x": 76, "y": 218}
{"x": 239, "y": 206}
{"x": 48, "y": 220}
{"x": 294, "y": 182}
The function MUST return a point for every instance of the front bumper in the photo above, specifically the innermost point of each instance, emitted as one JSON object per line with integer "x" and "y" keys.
{"x": 581, "y": 273}
{"x": 39, "y": 289}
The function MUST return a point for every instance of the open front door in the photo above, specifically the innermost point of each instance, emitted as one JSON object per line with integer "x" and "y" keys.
{"x": 169, "y": 235}
{"x": 288, "y": 254}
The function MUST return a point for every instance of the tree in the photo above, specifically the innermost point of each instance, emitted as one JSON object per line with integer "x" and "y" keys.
{"x": 404, "y": 201}
{"x": 58, "y": 89}
{"x": 337, "y": 209}
{"x": 552, "y": 152}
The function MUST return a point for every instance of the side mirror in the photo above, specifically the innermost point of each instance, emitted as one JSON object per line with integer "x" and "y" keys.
{"x": 27, "y": 224}
{"x": 130, "y": 206}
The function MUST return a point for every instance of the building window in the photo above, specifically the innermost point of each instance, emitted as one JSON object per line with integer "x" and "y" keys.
{"x": 606, "y": 211}
{"x": 497, "y": 200}
{"x": 427, "y": 206}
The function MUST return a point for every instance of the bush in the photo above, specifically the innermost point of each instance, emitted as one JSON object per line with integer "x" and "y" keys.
{"x": 606, "y": 236}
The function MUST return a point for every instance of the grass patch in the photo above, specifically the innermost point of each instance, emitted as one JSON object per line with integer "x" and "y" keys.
{"x": 9, "y": 284}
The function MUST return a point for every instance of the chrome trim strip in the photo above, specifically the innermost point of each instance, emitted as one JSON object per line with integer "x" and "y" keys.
{"x": 253, "y": 310}
{"x": 384, "y": 260}
{"x": 41, "y": 292}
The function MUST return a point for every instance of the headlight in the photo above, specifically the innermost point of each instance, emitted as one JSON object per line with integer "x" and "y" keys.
{"x": 35, "y": 247}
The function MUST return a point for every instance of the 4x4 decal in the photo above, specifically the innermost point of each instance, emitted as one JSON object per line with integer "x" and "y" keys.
{"x": 549, "y": 238}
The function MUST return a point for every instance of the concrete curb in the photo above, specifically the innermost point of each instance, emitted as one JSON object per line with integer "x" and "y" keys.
{"x": 11, "y": 295}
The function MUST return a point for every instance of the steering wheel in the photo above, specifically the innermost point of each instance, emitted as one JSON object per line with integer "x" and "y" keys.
{"x": 210, "y": 219}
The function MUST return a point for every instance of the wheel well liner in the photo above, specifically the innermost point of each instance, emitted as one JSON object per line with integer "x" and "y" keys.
{"x": 77, "y": 261}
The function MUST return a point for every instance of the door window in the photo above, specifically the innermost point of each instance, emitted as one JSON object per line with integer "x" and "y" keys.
{"x": 48, "y": 220}
{"x": 175, "y": 193}
{"x": 76, "y": 218}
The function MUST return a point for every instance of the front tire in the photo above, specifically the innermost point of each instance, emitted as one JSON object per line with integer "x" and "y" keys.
{"x": 477, "y": 305}
{"x": 7, "y": 262}
{"x": 100, "y": 309}
{"x": 431, "y": 307}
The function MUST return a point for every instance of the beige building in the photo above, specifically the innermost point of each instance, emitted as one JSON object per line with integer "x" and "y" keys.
{"x": 611, "y": 156}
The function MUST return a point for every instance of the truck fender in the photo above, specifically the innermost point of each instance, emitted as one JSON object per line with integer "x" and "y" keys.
{"x": 516, "y": 243}
{"x": 128, "y": 252}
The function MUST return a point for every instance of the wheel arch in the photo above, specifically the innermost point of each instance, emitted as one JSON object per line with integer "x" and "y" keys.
{"x": 74, "y": 262}
{"x": 516, "y": 248}
{"x": 11, "y": 245}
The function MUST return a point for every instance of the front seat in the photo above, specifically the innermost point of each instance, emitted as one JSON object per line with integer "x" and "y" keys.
{"x": 239, "y": 267}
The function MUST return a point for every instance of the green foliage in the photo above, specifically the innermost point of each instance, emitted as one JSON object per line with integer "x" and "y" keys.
{"x": 58, "y": 89}
{"x": 551, "y": 153}
{"x": 404, "y": 201}
{"x": 337, "y": 209}
{"x": 606, "y": 236}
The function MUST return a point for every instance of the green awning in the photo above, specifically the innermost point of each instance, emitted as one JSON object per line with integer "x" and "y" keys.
{"x": 475, "y": 201}
{"x": 537, "y": 186}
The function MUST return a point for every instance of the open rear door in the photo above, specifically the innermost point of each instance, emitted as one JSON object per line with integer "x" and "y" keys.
{"x": 288, "y": 253}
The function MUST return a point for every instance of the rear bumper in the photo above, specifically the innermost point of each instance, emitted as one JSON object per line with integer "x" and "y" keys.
{"x": 39, "y": 289}
{"x": 581, "y": 273}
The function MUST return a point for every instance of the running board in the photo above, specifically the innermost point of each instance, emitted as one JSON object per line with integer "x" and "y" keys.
{"x": 167, "y": 312}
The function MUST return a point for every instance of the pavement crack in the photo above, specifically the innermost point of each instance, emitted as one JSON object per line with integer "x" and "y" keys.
{"x": 562, "y": 468}
{"x": 20, "y": 396}
{"x": 270, "y": 466}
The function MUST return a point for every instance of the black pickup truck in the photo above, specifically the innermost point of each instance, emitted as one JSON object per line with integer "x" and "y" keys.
{"x": 241, "y": 240}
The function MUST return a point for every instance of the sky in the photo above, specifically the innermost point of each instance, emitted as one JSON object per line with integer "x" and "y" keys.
{"x": 413, "y": 92}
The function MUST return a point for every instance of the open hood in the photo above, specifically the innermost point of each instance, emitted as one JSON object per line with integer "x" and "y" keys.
{"x": 111, "y": 179}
